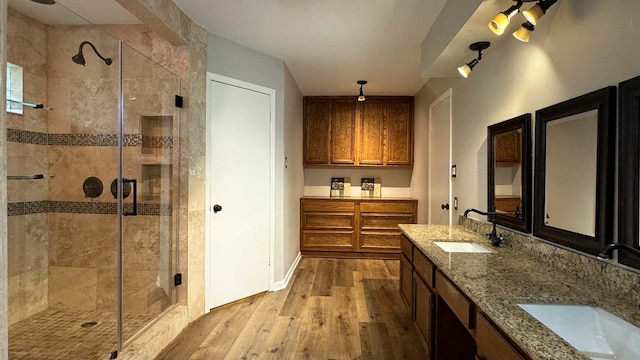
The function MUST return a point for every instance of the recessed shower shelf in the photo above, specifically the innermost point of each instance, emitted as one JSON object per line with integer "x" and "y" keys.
{"x": 28, "y": 177}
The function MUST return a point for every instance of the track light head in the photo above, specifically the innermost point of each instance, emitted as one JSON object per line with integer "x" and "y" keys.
{"x": 500, "y": 22}
{"x": 466, "y": 69}
{"x": 524, "y": 32}
{"x": 538, "y": 10}
{"x": 361, "y": 96}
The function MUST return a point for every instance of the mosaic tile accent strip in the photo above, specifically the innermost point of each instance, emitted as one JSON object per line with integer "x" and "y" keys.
{"x": 26, "y": 208}
{"x": 30, "y": 137}
{"x": 26, "y": 137}
{"x": 157, "y": 142}
{"x": 78, "y": 207}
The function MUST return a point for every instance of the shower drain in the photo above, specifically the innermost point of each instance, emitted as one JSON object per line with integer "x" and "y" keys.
{"x": 89, "y": 324}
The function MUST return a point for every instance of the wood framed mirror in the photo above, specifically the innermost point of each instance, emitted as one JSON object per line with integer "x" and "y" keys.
{"x": 575, "y": 171}
{"x": 509, "y": 172}
{"x": 628, "y": 169}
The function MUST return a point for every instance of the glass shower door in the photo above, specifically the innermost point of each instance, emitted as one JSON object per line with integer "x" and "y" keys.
{"x": 150, "y": 189}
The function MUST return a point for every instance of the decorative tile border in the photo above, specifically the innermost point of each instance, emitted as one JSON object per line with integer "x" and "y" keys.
{"x": 26, "y": 137}
{"x": 31, "y": 137}
{"x": 79, "y": 207}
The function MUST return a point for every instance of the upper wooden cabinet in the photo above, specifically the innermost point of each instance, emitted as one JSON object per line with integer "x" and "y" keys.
{"x": 376, "y": 132}
{"x": 508, "y": 148}
{"x": 317, "y": 115}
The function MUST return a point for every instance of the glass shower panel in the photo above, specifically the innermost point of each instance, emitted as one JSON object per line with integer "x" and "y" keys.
{"x": 150, "y": 168}
{"x": 62, "y": 156}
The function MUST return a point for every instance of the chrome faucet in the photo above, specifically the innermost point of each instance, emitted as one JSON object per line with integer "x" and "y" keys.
{"x": 493, "y": 235}
{"x": 605, "y": 254}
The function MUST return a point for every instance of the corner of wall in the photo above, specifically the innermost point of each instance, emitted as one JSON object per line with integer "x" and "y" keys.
{"x": 4, "y": 322}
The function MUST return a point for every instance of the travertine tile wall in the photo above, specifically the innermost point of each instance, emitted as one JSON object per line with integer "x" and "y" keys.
{"x": 28, "y": 238}
{"x": 66, "y": 258}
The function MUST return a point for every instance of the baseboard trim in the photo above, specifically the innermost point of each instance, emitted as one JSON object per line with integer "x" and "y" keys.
{"x": 279, "y": 285}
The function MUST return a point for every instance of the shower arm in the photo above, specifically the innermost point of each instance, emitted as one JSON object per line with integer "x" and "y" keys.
{"x": 106, "y": 60}
{"x": 35, "y": 106}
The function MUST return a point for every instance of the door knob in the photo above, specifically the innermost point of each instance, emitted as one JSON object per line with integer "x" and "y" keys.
{"x": 217, "y": 208}
{"x": 445, "y": 206}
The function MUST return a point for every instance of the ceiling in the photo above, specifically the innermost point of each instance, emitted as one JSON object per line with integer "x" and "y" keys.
{"x": 329, "y": 44}
{"x": 94, "y": 11}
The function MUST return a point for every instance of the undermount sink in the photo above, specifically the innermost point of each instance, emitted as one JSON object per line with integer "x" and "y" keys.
{"x": 463, "y": 247}
{"x": 591, "y": 330}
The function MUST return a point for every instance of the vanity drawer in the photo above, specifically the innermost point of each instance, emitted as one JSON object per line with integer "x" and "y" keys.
{"x": 458, "y": 303}
{"x": 328, "y": 205}
{"x": 387, "y": 207}
{"x": 491, "y": 344}
{"x": 424, "y": 268}
{"x": 328, "y": 221}
{"x": 407, "y": 248}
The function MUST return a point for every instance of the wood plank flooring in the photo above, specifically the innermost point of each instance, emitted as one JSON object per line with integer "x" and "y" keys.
{"x": 332, "y": 309}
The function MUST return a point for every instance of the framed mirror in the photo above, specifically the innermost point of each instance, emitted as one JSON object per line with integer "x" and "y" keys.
{"x": 575, "y": 171}
{"x": 509, "y": 172}
{"x": 628, "y": 169}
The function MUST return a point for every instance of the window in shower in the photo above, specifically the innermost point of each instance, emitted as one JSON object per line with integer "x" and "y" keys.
{"x": 14, "y": 88}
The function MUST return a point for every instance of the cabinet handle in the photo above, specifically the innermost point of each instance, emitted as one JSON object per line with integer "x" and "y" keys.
{"x": 445, "y": 206}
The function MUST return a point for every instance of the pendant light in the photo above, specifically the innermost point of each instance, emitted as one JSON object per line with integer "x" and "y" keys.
{"x": 361, "y": 97}
{"x": 500, "y": 22}
{"x": 538, "y": 10}
{"x": 466, "y": 69}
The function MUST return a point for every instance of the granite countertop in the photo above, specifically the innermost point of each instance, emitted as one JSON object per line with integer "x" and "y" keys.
{"x": 497, "y": 282}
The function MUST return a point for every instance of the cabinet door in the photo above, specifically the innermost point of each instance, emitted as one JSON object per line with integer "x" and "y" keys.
{"x": 424, "y": 310}
{"x": 343, "y": 131}
{"x": 317, "y": 114}
{"x": 371, "y": 144}
{"x": 508, "y": 148}
{"x": 399, "y": 131}
{"x": 491, "y": 345}
{"x": 406, "y": 282}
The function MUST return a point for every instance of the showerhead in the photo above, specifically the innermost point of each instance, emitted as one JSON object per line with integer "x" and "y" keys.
{"x": 79, "y": 58}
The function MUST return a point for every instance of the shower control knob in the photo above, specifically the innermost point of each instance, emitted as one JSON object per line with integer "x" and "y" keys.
{"x": 217, "y": 208}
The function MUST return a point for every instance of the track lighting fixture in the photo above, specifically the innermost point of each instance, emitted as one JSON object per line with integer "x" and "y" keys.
{"x": 538, "y": 10}
{"x": 524, "y": 32}
{"x": 466, "y": 69}
{"x": 361, "y": 97}
{"x": 500, "y": 22}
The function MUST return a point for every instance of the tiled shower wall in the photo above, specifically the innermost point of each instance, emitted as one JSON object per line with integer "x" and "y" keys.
{"x": 62, "y": 246}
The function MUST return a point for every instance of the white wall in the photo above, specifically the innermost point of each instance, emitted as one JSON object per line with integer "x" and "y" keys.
{"x": 230, "y": 59}
{"x": 578, "y": 47}
{"x": 293, "y": 172}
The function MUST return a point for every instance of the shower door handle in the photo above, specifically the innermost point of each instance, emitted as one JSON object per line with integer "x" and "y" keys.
{"x": 135, "y": 197}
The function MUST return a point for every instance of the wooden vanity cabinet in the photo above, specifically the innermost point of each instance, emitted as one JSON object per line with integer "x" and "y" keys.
{"x": 424, "y": 298}
{"x": 340, "y": 131}
{"x": 341, "y": 227}
{"x": 491, "y": 344}
{"x": 452, "y": 326}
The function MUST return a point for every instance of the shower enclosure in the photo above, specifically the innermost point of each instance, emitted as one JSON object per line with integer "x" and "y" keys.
{"x": 93, "y": 183}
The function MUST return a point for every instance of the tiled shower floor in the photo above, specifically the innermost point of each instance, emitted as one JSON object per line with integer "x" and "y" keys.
{"x": 56, "y": 334}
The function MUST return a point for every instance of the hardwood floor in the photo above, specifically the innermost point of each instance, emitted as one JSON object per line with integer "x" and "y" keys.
{"x": 332, "y": 309}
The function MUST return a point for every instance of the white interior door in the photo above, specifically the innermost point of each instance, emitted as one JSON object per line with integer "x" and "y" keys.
{"x": 440, "y": 207}
{"x": 239, "y": 178}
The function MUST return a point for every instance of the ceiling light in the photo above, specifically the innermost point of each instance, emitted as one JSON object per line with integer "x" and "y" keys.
{"x": 501, "y": 21}
{"x": 361, "y": 97}
{"x": 466, "y": 69}
{"x": 524, "y": 32}
{"x": 534, "y": 14}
